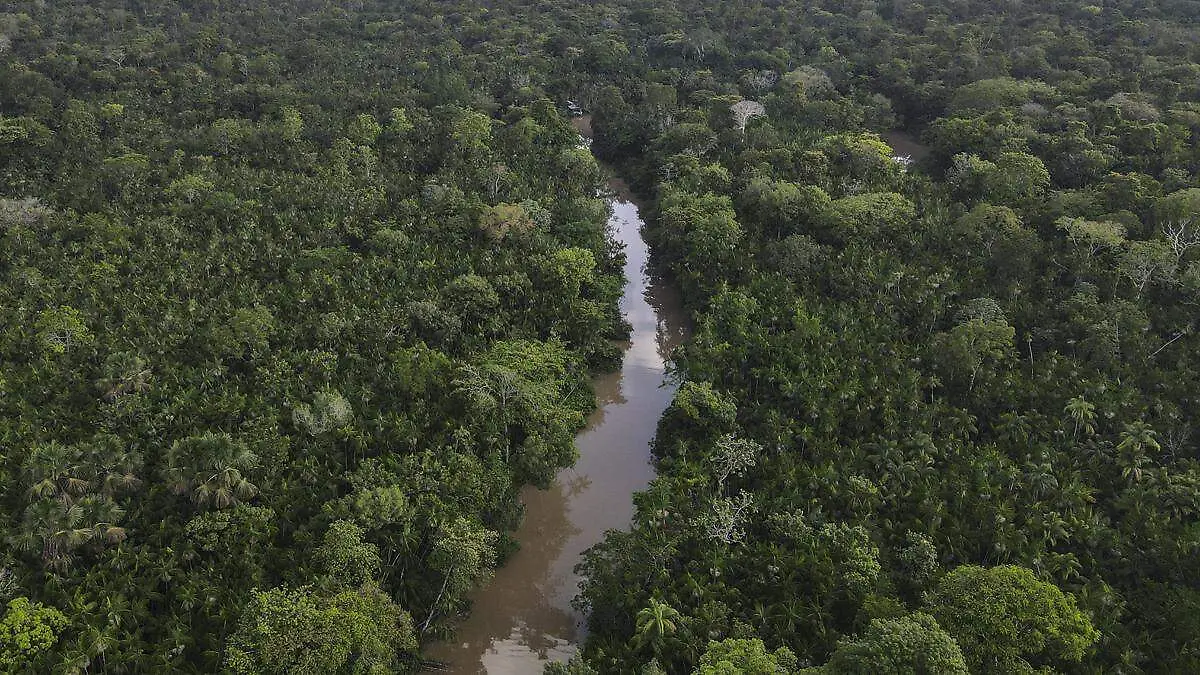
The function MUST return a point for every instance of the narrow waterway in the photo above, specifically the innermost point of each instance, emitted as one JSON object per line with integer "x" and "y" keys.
{"x": 524, "y": 618}
{"x": 905, "y": 144}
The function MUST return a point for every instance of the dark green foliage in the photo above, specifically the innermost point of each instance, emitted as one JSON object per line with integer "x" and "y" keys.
{"x": 297, "y": 295}
{"x": 977, "y": 358}
{"x": 250, "y": 256}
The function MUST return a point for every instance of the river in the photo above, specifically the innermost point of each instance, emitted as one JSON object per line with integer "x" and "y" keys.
{"x": 905, "y": 144}
{"x": 523, "y": 618}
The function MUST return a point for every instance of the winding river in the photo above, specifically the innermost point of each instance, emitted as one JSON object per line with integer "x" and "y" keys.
{"x": 523, "y": 618}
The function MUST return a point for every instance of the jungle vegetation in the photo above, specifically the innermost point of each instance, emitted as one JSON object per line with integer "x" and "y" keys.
{"x": 295, "y": 295}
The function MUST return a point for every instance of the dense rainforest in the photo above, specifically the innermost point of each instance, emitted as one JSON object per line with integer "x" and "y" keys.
{"x": 289, "y": 314}
{"x": 294, "y": 296}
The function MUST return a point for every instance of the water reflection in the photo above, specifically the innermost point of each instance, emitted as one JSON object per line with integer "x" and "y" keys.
{"x": 524, "y": 618}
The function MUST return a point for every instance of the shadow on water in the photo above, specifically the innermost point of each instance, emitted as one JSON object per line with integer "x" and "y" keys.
{"x": 524, "y": 618}
{"x": 905, "y": 144}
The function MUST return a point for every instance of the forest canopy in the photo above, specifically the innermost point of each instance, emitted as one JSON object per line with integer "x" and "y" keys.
{"x": 295, "y": 296}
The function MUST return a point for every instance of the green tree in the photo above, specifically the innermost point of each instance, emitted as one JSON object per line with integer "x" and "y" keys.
{"x": 236, "y": 541}
{"x": 499, "y": 221}
{"x": 981, "y": 336}
{"x": 296, "y": 632}
{"x": 211, "y": 468}
{"x": 985, "y": 95}
{"x": 290, "y": 124}
{"x": 572, "y": 268}
{"x": 908, "y": 645}
{"x": 783, "y": 208}
{"x": 703, "y": 231}
{"x": 872, "y": 218}
{"x": 917, "y": 560}
{"x": 697, "y": 412}
{"x": 345, "y": 557}
{"x": 656, "y": 623}
{"x": 1137, "y": 439}
{"x": 364, "y": 129}
{"x": 471, "y": 133}
{"x": 62, "y": 329}
{"x": 1083, "y": 414}
{"x": 749, "y": 657}
{"x": 861, "y": 157}
{"x": 399, "y": 123}
{"x": 1009, "y": 248}
{"x": 1019, "y": 180}
{"x": 27, "y": 630}
{"x": 1006, "y": 620}
{"x": 246, "y": 332}
{"x": 575, "y": 666}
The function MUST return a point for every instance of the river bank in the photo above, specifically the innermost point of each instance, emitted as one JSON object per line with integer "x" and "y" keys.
{"x": 523, "y": 618}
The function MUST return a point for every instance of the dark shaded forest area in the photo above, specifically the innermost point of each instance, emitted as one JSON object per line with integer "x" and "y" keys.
{"x": 295, "y": 296}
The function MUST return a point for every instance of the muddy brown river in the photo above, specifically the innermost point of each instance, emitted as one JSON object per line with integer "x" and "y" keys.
{"x": 523, "y": 618}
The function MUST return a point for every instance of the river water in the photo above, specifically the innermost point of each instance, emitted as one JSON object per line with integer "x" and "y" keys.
{"x": 523, "y": 617}
{"x": 905, "y": 144}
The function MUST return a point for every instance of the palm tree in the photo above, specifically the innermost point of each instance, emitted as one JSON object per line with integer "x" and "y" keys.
{"x": 54, "y": 528}
{"x": 1083, "y": 413}
{"x": 114, "y": 467}
{"x": 212, "y": 468}
{"x": 655, "y": 624}
{"x": 69, "y": 473}
{"x": 54, "y": 471}
{"x": 103, "y": 515}
{"x": 1041, "y": 480}
{"x": 1135, "y": 440}
{"x": 57, "y": 528}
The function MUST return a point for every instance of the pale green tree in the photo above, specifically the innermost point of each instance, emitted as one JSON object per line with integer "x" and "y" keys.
{"x": 61, "y": 329}
{"x": 907, "y": 645}
{"x": 298, "y": 632}
{"x": 1142, "y": 262}
{"x": 329, "y": 410}
{"x": 1178, "y": 216}
{"x": 744, "y": 657}
{"x": 1006, "y": 620}
{"x": 346, "y": 557}
{"x": 732, "y": 457}
{"x": 464, "y": 553}
{"x": 27, "y": 630}
{"x": 1090, "y": 237}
